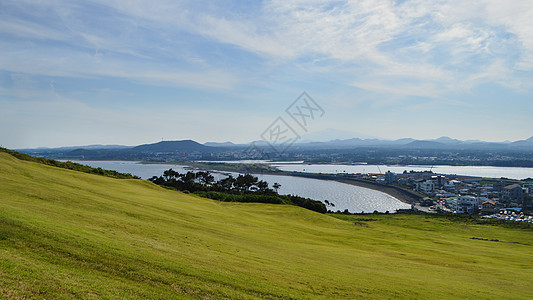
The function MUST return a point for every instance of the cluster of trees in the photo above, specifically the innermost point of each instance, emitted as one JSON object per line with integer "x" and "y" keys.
{"x": 204, "y": 181}
{"x": 243, "y": 188}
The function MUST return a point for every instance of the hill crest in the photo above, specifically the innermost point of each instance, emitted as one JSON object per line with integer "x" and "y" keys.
{"x": 173, "y": 146}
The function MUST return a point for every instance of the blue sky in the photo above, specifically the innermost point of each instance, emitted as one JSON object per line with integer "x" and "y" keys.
{"x": 134, "y": 72}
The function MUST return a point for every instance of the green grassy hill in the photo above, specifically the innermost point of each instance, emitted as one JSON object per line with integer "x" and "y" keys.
{"x": 67, "y": 234}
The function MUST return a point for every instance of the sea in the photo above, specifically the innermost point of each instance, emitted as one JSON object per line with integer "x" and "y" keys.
{"x": 343, "y": 196}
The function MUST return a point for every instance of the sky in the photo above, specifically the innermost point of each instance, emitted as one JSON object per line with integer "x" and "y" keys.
{"x": 133, "y": 72}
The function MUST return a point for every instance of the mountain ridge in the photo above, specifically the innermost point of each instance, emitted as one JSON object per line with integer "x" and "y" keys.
{"x": 172, "y": 146}
{"x": 190, "y": 149}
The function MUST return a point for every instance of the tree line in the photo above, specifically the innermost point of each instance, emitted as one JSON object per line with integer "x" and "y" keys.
{"x": 243, "y": 188}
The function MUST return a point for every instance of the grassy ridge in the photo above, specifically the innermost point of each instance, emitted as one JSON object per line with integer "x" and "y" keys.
{"x": 68, "y": 165}
{"x": 69, "y": 234}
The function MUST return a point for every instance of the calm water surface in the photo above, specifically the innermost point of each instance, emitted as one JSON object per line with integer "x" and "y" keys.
{"x": 480, "y": 171}
{"x": 476, "y": 171}
{"x": 344, "y": 196}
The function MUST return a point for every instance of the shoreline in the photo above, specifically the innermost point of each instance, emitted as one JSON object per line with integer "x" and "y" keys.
{"x": 403, "y": 195}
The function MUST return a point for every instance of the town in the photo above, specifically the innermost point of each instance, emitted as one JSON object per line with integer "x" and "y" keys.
{"x": 494, "y": 198}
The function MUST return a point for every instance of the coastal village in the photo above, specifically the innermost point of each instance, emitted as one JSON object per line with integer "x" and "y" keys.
{"x": 493, "y": 198}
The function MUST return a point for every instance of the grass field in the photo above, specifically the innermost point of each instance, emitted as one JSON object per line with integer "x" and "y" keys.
{"x": 67, "y": 234}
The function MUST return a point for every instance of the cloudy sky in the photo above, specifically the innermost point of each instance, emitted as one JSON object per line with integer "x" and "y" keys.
{"x": 132, "y": 72}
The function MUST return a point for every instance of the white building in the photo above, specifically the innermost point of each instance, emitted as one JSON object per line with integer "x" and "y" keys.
{"x": 465, "y": 205}
{"x": 390, "y": 177}
{"x": 426, "y": 186}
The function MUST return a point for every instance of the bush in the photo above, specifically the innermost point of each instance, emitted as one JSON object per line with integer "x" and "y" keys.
{"x": 240, "y": 189}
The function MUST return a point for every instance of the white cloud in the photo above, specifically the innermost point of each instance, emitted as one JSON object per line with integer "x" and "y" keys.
{"x": 412, "y": 48}
{"x": 516, "y": 17}
{"x": 438, "y": 43}
{"x": 25, "y": 29}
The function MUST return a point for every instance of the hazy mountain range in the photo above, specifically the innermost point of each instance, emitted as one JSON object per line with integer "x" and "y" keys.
{"x": 441, "y": 143}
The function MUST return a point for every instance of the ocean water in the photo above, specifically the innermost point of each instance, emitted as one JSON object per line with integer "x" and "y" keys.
{"x": 343, "y": 196}
{"x": 477, "y": 171}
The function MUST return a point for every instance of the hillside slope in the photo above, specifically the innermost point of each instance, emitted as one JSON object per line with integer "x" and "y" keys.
{"x": 69, "y": 234}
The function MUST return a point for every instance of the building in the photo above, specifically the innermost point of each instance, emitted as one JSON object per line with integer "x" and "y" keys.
{"x": 390, "y": 177}
{"x": 440, "y": 180}
{"x": 465, "y": 205}
{"x": 528, "y": 188}
{"x": 425, "y": 186}
{"x": 498, "y": 186}
{"x": 512, "y": 194}
{"x": 488, "y": 207}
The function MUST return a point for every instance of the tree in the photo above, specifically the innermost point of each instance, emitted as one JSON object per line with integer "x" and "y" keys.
{"x": 244, "y": 188}
{"x": 157, "y": 180}
{"x": 205, "y": 178}
{"x": 170, "y": 174}
{"x": 276, "y": 186}
{"x": 227, "y": 183}
{"x": 245, "y": 183}
{"x": 188, "y": 180}
{"x": 263, "y": 186}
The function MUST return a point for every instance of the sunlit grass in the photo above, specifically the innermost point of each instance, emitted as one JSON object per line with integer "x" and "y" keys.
{"x": 68, "y": 234}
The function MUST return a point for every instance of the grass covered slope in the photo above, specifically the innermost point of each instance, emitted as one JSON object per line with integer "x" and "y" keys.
{"x": 68, "y": 165}
{"x": 69, "y": 234}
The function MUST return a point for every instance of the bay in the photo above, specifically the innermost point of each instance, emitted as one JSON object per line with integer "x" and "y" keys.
{"x": 343, "y": 196}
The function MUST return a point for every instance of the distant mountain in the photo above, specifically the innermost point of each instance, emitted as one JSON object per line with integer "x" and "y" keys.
{"x": 360, "y": 142}
{"x": 331, "y": 134}
{"x": 354, "y": 143}
{"x": 403, "y": 141}
{"x": 190, "y": 148}
{"x": 409, "y": 143}
{"x": 89, "y": 147}
{"x": 175, "y": 149}
{"x": 522, "y": 144}
{"x": 71, "y": 148}
{"x": 174, "y": 146}
{"x": 447, "y": 140}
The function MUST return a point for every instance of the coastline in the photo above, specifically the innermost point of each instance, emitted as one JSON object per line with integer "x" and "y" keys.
{"x": 399, "y": 193}
{"x": 404, "y": 195}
